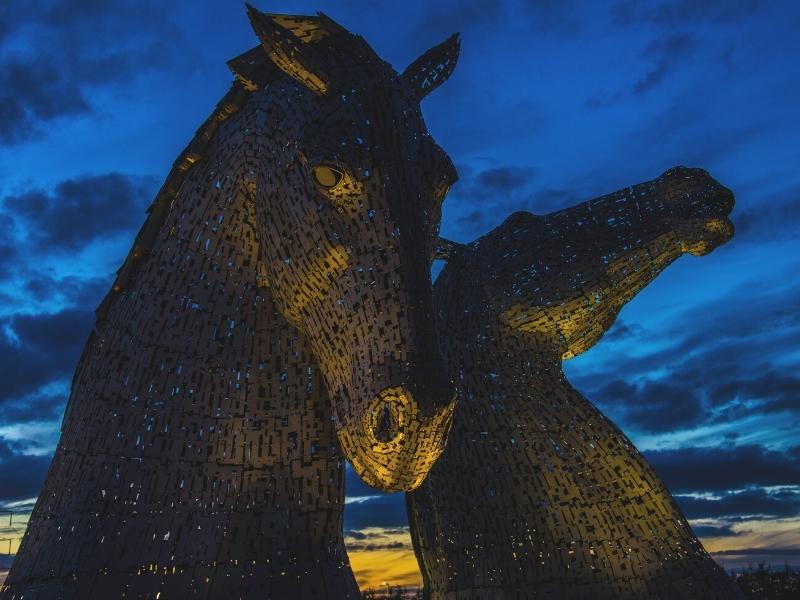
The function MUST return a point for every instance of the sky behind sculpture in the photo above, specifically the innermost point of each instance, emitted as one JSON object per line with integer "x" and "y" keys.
{"x": 551, "y": 104}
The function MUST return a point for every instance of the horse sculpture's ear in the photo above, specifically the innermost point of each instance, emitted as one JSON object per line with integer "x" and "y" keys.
{"x": 431, "y": 69}
{"x": 292, "y": 43}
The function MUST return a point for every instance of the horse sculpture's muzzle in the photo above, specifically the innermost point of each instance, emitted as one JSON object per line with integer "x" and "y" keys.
{"x": 400, "y": 434}
{"x": 705, "y": 223}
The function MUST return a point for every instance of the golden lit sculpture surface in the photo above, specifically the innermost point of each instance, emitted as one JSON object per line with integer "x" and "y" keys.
{"x": 538, "y": 495}
{"x": 276, "y": 301}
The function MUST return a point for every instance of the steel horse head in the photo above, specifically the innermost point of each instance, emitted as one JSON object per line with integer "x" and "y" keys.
{"x": 348, "y": 195}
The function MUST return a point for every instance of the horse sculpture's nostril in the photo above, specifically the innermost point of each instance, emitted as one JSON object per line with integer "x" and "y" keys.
{"x": 386, "y": 428}
{"x": 394, "y": 444}
{"x": 390, "y": 412}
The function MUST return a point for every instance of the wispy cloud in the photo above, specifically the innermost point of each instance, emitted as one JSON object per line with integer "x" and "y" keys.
{"x": 382, "y": 555}
{"x": 59, "y": 54}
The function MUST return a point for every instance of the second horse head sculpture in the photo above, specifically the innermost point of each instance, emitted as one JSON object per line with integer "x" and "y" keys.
{"x": 538, "y": 494}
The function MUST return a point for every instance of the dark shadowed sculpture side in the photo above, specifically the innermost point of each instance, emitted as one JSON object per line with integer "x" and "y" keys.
{"x": 277, "y": 298}
{"x": 537, "y": 494}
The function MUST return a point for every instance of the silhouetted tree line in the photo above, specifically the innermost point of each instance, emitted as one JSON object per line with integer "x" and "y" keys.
{"x": 392, "y": 592}
{"x": 765, "y": 583}
{"x": 761, "y": 583}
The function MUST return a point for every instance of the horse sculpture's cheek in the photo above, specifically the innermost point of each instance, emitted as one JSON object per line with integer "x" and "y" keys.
{"x": 311, "y": 285}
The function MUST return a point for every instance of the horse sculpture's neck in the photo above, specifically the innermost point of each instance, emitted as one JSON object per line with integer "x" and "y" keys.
{"x": 198, "y": 456}
{"x": 539, "y": 495}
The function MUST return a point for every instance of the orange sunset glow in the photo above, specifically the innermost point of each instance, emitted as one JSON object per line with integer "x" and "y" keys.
{"x": 383, "y": 555}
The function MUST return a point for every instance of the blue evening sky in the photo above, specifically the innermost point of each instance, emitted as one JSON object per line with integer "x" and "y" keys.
{"x": 552, "y": 103}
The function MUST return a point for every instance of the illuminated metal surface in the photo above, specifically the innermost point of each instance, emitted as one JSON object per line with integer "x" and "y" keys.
{"x": 286, "y": 257}
{"x": 266, "y": 308}
{"x": 537, "y": 494}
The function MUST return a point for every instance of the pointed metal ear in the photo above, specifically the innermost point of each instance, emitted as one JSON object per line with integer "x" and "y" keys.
{"x": 431, "y": 69}
{"x": 291, "y": 43}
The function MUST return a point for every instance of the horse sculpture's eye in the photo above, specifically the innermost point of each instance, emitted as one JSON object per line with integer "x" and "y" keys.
{"x": 326, "y": 176}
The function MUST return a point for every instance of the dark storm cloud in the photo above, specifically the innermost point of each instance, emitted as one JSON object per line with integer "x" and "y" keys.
{"x": 682, "y": 131}
{"x": 8, "y": 249}
{"x": 710, "y": 365}
{"x": 542, "y": 16}
{"x": 621, "y": 330}
{"x": 756, "y": 502}
{"x": 496, "y": 186}
{"x": 654, "y": 406}
{"x": 678, "y": 13}
{"x": 368, "y": 535}
{"x": 730, "y": 340}
{"x": 377, "y": 546}
{"x": 686, "y": 397}
{"x": 42, "y": 228}
{"x": 21, "y": 476}
{"x": 715, "y": 531}
{"x": 498, "y": 190}
{"x": 382, "y": 510}
{"x": 776, "y": 217}
{"x": 503, "y": 180}
{"x": 79, "y": 210}
{"x": 37, "y": 407}
{"x": 460, "y": 16}
{"x": 725, "y": 468}
{"x": 72, "y": 49}
{"x": 5, "y": 21}
{"x": 553, "y": 17}
{"x": 761, "y": 551}
{"x": 771, "y": 391}
{"x": 33, "y": 92}
{"x": 473, "y": 219}
{"x": 46, "y": 349}
{"x": 662, "y": 57}
{"x": 387, "y": 510}
{"x": 666, "y": 54}
{"x": 69, "y": 291}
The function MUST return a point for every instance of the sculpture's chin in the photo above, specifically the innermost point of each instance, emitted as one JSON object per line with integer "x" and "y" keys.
{"x": 395, "y": 472}
{"x": 392, "y": 447}
{"x": 708, "y": 236}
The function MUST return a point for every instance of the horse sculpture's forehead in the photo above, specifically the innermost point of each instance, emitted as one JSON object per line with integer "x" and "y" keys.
{"x": 363, "y": 132}
{"x": 376, "y": 112}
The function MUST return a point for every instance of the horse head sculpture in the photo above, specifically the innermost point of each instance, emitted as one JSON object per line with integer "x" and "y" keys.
{"x": 533, "y": 496}
{"x": 561, "y": 279}
{"x": 278, "y": 296}
{"x": 347, "y": 192}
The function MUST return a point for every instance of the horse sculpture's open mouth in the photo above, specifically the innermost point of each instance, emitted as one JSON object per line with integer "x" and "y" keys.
{"x": 396, "y": 442}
